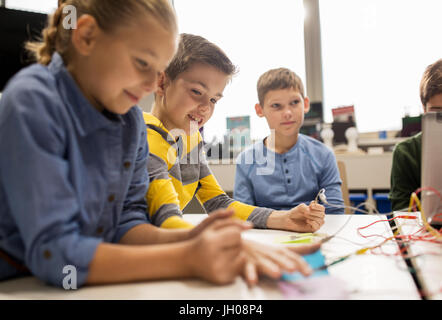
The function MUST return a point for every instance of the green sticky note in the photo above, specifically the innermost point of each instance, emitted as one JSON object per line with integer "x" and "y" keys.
{"x": 299, "y": 238}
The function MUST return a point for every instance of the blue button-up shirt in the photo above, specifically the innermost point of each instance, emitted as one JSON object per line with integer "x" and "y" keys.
{"x": 282, "y": 181}
{"x": 70, "y": 176}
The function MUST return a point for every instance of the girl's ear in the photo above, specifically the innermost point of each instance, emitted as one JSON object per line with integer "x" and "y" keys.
{"x": 85, "y": 35}
{"x": 258, "y": 110}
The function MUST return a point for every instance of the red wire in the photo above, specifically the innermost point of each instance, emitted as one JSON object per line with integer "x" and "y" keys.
{"x": 406, "y": 238}
{"x": 418, "y": 190}
{"x": 419, "y": 235}
{"x": 385, "y": 220}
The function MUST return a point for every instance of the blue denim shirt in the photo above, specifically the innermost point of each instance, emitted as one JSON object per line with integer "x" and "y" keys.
{"x": 70, "y": 176}
{"x": 283, "y": 181}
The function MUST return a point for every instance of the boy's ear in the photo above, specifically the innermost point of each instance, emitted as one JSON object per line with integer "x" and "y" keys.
{"x": 258, "y": 110}
{"x": 162, "y": 82}
{"x": 306, "y": 105}
{"x": 85, "y": 35}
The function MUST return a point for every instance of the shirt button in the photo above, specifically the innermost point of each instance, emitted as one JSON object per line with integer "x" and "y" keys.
{"x": 285, "y": 160}
{"x": 111, "y": 198}
{"x": 126, "y": 165}
{"x": 288, "y": 181}
{"x": 286, "y": 171}
{"x": 99, "y": 230}
{"x": 47, "y": 254}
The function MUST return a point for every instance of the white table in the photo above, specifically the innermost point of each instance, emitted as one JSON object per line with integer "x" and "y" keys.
{"x": 426, "y": 258}
{"x": 366, "y": 276}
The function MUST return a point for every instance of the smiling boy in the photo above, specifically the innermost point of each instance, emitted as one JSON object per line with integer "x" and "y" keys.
{"x": 185, "y": 100}
{"x": 301, "y": 165}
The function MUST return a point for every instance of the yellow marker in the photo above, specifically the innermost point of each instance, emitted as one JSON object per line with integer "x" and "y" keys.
{"x": 362, "y": 251}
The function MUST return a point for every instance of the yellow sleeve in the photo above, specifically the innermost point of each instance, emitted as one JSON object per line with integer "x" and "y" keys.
{"x": 176, "y": 222}
{"x": 212, "y": 196}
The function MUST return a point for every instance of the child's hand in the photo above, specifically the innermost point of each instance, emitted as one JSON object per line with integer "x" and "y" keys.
{"x": 218, "y": 216}
{"x": 272, "y": 261}
{"x": 302, "y": 218}
{"x": 216, "y": 252}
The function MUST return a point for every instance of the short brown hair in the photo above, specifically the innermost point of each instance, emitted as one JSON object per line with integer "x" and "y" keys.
{"x": 431, "y": 83}
{"x": 107, "y": 13}
{"x": 275, "y": 79}
{"x": 196, "y": 49}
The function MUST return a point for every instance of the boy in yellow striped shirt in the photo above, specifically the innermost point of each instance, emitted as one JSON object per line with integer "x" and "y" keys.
{"x": 185, "y": 100}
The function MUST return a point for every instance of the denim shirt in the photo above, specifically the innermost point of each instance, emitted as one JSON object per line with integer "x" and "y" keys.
{"x": 283, "y": 181}
{"x": 70, "y": 176}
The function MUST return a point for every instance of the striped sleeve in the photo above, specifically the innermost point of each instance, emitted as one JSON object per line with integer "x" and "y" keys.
{"x": 211, "y": 195}
{"x": 162, "y": 198}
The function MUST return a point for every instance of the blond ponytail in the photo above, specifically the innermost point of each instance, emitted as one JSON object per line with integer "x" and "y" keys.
{"x": 43, "y": 50}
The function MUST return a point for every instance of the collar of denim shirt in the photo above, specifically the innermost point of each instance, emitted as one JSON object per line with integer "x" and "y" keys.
{"x": 86, "y": 117}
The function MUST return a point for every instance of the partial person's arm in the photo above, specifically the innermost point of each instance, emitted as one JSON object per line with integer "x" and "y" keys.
{"x": 403, "y": 180}
{"x": 213, "y": 252}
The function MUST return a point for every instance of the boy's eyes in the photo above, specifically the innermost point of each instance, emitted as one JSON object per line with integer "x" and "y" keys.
{"x": 198, "y": 93}
{"x": 277, "y": 105}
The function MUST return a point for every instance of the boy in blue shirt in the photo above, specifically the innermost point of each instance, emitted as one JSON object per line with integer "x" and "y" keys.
{"x": 286, "y": 168}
